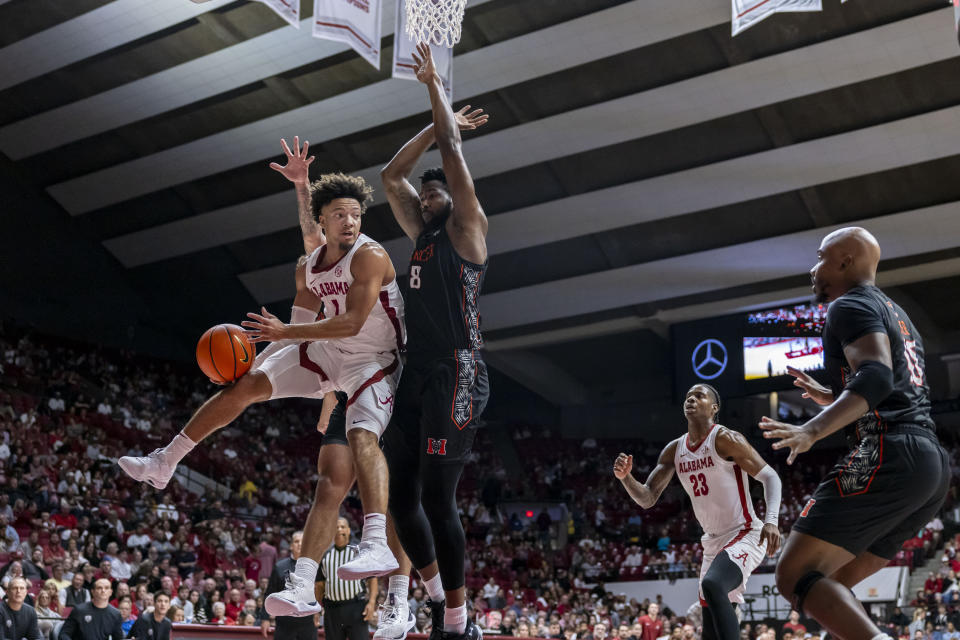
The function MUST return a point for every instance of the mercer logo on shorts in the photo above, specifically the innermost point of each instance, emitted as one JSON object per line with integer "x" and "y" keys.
{"x": 436, "y": 447}
{"x": 806, "y": 509}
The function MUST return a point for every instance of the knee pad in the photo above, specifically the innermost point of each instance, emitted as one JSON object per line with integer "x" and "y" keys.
{"x": 802, "y": 588}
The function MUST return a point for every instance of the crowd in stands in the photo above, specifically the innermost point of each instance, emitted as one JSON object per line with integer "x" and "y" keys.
{"x": 68, "y": 516}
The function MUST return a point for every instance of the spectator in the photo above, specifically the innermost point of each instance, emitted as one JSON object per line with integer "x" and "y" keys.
{"x": 94, "y": 620}
{"x": 47, "y": 617}
{"x": 58, "y": 577}
{"x": 793, "y": 625}
{"x": 14, "y": 570}
{"x": 11, "y": 539}
{"x": 76, "y": 593}
{"x": 220, "y": 614}
{"x": 651, "y": 623}
{"x": 154, "y": 625}
{"x": 950, "y": 633}
{"x": 234, "y": 605}
{"x": 125, "y": 607}
{"x": 176, "y": 615}
{"x": 33, "y": 566}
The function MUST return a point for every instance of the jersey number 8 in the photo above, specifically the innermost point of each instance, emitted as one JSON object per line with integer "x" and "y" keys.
{"x": 415, "y": 277}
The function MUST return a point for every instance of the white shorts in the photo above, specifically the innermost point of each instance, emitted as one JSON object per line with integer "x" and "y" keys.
{"x": 313, "y": 369}
{"x": 744, "y": 548}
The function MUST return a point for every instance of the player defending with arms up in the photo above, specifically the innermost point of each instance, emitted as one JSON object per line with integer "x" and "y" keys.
{"x": 713, "y": 462}
{"x": 444, "y": 387}
{"x": 896, "y": 477}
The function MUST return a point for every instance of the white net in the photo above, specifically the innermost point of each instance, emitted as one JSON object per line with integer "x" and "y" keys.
{"x": 435, "y": 21}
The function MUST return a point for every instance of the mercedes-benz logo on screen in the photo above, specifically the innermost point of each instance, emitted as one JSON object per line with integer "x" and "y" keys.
{"x": 709, "y": 359}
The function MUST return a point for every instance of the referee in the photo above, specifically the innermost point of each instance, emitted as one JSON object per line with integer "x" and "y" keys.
{"x": 347, "y": 605}
{"x": 288, "y": 627}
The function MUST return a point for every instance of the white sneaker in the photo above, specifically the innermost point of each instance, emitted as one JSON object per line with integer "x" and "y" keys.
{"x": 297, "y": 600}
{"x": 373, "y": 559}
{"x": 396, "y": 619}
{"x": 151, "y": 469}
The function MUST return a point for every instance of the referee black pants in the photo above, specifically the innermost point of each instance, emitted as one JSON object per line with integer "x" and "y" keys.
{"x": 342, "y": 620}
{"x": 295, "y": 629}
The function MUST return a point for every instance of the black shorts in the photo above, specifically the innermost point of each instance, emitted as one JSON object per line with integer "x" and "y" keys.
{"x": 881, "y": 494}
{"x": 337, "y": 427}
{"x": 439, "y": 403}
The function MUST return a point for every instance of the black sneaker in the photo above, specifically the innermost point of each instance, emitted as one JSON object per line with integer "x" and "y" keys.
{"x": 437, "y": 609}
{"x": 472, "y": 632}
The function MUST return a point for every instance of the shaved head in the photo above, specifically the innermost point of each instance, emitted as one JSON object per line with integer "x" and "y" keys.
{"x": 847, "y": 258}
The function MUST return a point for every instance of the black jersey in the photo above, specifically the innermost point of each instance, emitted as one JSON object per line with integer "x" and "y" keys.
{"x": 863, "y": 310}
{"x": 442, "y": 297}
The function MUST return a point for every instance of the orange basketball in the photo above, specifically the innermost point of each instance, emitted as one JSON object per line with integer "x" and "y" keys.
{"x": 224, "y": 353}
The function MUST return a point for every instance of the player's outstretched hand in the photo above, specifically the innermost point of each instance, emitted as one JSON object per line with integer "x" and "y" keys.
{"x": 771, "y": 534}
{"x": 297, "y": 169}
{"x": 473, "y": 120}
{"x": 423, "y": 58}
{"x": 264, "y": 328}
{"x": 811, "y": 388}
{"x": 622, "y": 466}
{"x": 794, "y": 437}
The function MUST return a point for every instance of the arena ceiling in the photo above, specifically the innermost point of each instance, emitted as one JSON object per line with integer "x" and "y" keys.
{"x": 640, "y": 167}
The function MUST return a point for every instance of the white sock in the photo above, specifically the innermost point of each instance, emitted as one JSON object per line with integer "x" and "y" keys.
{"x": 400, "y": 588}
{"x": 374, "y": 528}
{"x": 455, "y": 620}
{"x": 434, "y": 588}
{"x": 178, "y": 448}
{"x": 307, "y": 569}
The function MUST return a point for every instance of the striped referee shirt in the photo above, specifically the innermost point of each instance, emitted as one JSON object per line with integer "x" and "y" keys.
{"x": 338, "y": 590}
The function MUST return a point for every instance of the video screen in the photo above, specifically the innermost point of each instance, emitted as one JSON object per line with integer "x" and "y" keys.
{"x": 782, "y": 337}
{"x": 796, "y": 320}
{"x": 769, "y": 356}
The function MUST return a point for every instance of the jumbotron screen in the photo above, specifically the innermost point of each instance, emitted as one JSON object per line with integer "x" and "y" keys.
{"x": 782, "y": 337}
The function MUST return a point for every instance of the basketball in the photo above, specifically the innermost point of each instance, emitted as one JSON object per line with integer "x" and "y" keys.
{"x": 224, "y": 353}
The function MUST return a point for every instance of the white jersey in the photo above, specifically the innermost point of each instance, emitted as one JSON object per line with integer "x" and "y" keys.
{"x": 384, "y": 329}
{"x": 718, "y": 488}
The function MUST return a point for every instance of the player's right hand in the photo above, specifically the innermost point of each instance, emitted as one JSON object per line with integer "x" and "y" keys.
{"x": 811, "y": 388}
{"x": 265, "y": 628}
{"x": 297, "y": 169}
{"x": 622, "y": 466}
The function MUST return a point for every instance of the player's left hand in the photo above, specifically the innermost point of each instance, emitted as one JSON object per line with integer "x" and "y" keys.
{"x": 426, "y": 70}
{"x": 795, "y": 437}
{"x": 264, "y": 327}
{"x": 370, "y": 612}
{"x": 771, "y": 534}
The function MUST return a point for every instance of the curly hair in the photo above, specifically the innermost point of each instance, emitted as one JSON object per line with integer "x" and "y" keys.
{"x": 331, "y": 186}
{"x": 433, "y": 174}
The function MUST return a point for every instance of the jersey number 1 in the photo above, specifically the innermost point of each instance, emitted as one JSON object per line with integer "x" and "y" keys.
{"x": 699, "y": 482}
{"x": 415, "y": 276}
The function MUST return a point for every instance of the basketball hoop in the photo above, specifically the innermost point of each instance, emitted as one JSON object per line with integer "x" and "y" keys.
{"x": 435, "y": 21}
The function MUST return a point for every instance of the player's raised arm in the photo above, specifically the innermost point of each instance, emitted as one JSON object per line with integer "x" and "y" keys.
{"x": 733, "y": 446}
{"x": 468, "y": 223}
{"x": 402, "y": 196}
{"x": 371, "y": 268}
{"x": 646, "y": 495}
{"x": 297, "y": 171}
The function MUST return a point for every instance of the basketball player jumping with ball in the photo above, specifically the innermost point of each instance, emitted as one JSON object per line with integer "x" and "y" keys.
{"x": 713, "y": 462}
{"x": 355, "y": 350}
